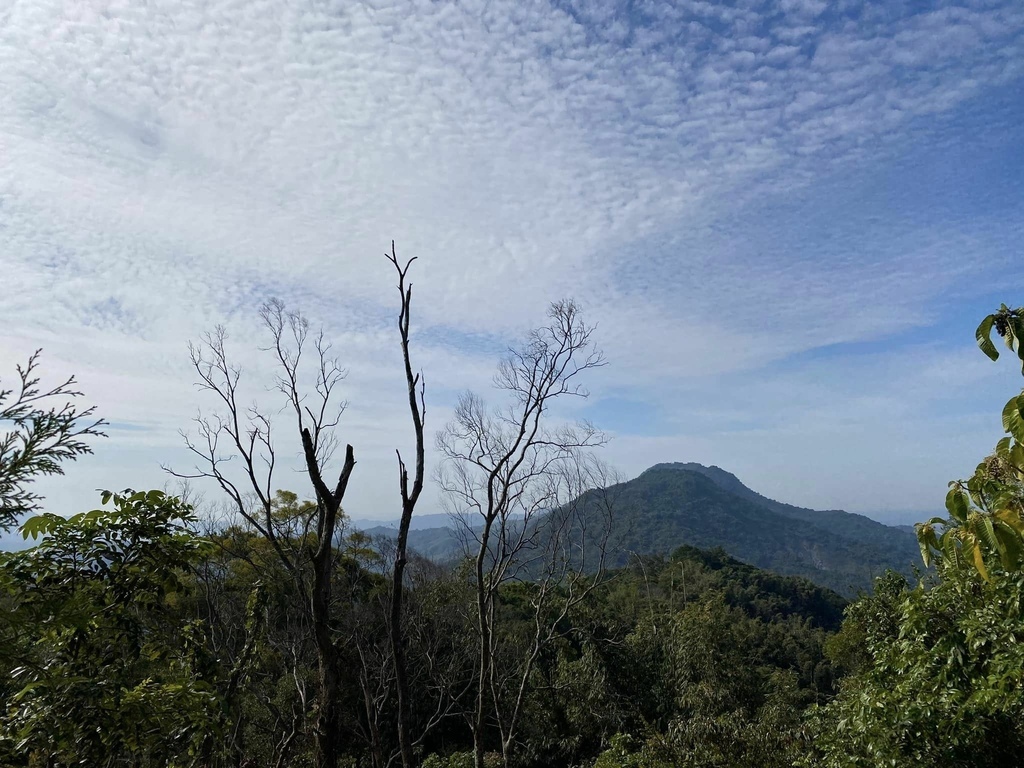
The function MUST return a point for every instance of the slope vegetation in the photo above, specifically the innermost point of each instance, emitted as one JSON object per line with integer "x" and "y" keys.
{"x": 675, "y": 504}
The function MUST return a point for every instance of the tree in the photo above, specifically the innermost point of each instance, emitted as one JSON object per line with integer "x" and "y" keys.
{"x": 942, "y": 682}
{"x": 986, "y": 512}
{"x": 44, "y": 429}
{"x": 271, "y": 698}
{"x": 514, "y": 482}
{"x": 248, "y": 433}
{"x": 98, "y": 667}
{"x": 938, "y": 667}
{"x": 410, "y": 495}
{"x": 249, "y": 436}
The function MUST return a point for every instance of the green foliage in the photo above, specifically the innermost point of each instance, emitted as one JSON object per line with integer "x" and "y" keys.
{"x": 707, "y": 693}
{"x": 938, "y": 669}
{"x": 986, "y": 512}
{"x": 942, "y": 684}
{"x": 1009, "y": 325}
{"x": 726, "y": 706}
{"x": 461, "y": 760}
{"x": 130, "y": 640}
{"x": 697, "y": 659}
{"x": 98, "y": 669}
{"x": 42, "y": 430}
{"x": 624, "y": 751}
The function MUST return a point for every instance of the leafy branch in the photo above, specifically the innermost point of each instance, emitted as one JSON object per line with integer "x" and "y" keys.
{"x": 986, "y": 512}
{"x": 42, "y": 429}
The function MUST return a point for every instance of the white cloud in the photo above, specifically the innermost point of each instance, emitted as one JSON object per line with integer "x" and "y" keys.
{"x": 168, "y": 166}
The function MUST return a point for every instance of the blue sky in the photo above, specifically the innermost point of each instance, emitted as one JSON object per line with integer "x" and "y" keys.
{"x": 785, "y": 217}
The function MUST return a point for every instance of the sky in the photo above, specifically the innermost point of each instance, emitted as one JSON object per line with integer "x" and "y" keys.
{"x": 784, "y": 218}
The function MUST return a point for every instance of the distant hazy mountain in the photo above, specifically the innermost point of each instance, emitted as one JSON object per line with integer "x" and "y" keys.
{"x": 434, "y": 535}
{"x": 419, "y": 522}
{"x": 439, "y": 544}
{"x": 676, "y": 504}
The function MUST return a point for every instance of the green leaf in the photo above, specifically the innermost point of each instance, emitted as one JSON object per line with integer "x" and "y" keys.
{"x": 1003, "y": 448}
{"x": 983, "y": 335}
{"x": 1011, "y": 519}
{"x": 951, "y": 551}
{"x": 984, "y": 529}
{"x": 1010, "y": 550}
{"x": 40, "y": 525}
{"x": 1016, "y": 456}
{"x": 1017, "y": 329}
{"x": 30, "y": 528}
{"x": 926, "y": 540}
{"x": 1013, "y": 418}
{"x": 973, "y": 549}
{"x": 956, "y": 505}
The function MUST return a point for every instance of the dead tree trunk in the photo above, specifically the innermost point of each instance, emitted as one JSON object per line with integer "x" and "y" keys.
{"x": 328, "y": 507}
{"x": 308, "y": 556}
{"x": 410, "y": 495}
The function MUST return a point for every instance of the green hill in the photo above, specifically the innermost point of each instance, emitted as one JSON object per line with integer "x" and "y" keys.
{"x": 671, "y": 505}
{"x": 896, "y": 544}
{"x": 696, "y": 573}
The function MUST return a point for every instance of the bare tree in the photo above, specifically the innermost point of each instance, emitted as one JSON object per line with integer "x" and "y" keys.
{"x": 515, "y": 482}
{"x": 236, "y": 449}
{"x": 410, "y": 495}
{"x": 563, "y": 562}
{"x": 42, "y": 429}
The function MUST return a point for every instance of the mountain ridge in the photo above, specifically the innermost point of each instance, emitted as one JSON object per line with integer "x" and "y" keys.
{"x": 669, "y": 506}
{"x": 849, "y": 525}
{"x": 687, "y": 504}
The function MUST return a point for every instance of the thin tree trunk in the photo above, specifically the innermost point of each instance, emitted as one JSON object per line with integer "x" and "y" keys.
{"x": 376, "y": 749}
{"x": 326, "y": 725}
{"x": 484, "y": 633}
{"x": 398, "y": 653}
{"x": 398, "y": 656}
{"x": 481, "y": 698}
{"x": 417, "y": 409}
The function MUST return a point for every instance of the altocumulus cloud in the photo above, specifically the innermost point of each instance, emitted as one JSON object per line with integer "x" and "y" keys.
{"x": 704, "y": 177}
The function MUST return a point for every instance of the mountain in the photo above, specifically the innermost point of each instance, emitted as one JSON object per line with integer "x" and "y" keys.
{"x": 675, "y": 504}
{"x": 686, "y": 504}
{"x": 419, "y": 522}
{"x": 897, "y": 542}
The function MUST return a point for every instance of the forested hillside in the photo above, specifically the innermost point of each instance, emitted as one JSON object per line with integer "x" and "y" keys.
{"x": 671, "y": 650}
{"x": 898, "y": 543}
{"x": 708, "y": 507}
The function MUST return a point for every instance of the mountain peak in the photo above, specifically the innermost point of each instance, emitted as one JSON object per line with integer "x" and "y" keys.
{"x": 855, "y": 525}
{"x": 725, "y": 480}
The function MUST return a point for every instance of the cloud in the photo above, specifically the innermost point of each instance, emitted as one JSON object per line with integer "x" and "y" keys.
{"x": 684, "y": 169}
